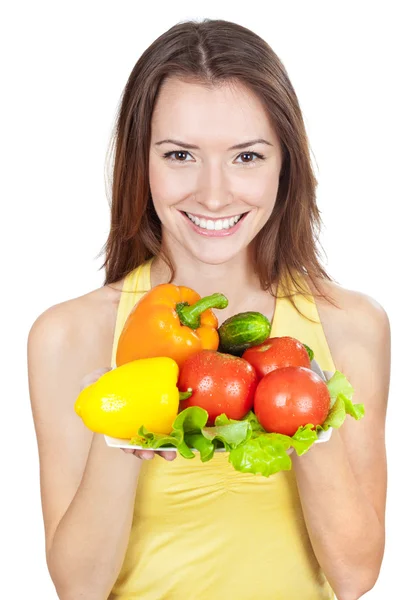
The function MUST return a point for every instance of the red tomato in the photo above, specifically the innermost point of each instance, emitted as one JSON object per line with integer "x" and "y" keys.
{"x": 221, "y": 383}
{"x": 276, "y": 353}
{"x": 288, "y": 398}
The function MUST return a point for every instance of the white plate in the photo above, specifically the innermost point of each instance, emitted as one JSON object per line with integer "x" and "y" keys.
{"x": 323, "y": 436}
{"x": 119, "y": 443}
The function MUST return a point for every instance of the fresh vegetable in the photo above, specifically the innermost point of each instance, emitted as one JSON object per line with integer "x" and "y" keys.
{"x": 341, "y": 392}
{"x": 289, "y": 398}
{"x": 275, "y": 353}
{"x": 242, "y": 331}
{"x": 309, "y": 351}
{"x": 170, "y": 320}
{"x": 141, "y": 392}
{"x": 220, "y": 383}
{"x": 251, "y": 449}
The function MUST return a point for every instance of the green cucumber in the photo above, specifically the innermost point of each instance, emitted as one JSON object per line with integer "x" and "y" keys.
{"x": 242, "y": 331}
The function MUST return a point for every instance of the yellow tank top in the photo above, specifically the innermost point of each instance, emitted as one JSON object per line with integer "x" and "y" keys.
{"x": 204, "y": 531}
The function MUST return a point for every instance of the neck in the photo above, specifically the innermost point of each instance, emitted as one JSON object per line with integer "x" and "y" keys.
{"x": 236, "y": 279}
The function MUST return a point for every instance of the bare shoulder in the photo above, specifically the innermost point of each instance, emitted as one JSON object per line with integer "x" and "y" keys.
{"x": 91, "y": 314}
{"x": 358, "y": 320}
{"x": 351, "y": 302}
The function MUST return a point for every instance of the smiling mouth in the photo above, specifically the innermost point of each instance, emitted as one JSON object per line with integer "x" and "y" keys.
{"x": 215, "y": 224}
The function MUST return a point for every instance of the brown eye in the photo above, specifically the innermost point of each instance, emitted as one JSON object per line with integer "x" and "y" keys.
{"x": 250, "y": 154}
{"x": 168, "y": 155}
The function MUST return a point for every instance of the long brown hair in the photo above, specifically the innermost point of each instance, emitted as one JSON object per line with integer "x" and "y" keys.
{"x": 212, "y": 52}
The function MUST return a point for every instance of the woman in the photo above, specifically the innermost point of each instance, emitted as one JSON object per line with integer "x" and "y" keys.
{"x": 210, "y": 130}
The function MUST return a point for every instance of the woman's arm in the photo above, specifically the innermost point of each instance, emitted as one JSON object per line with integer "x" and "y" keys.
{"x": 88, "y": 547}
{"x": 87, "y": 488}
{"x": 342, "y": 483}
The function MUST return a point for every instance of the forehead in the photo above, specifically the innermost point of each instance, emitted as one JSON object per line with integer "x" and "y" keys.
{"x": 193, "y": 112}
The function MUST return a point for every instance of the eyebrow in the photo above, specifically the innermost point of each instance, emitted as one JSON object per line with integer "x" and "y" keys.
{"x": 235, "y": 147}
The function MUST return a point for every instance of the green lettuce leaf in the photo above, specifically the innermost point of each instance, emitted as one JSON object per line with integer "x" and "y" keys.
{"x": 357, "y": 411}
{"x": 261, "y": 456}
{"x": 265, "y": 453}
{"x": 336, "y": 416}
{"x": 189, "y": 421}
{"x": 254, "y": 422}
{"x": 251, "y": 449}
{"x": 230, "y": 432}
{"x": 204, "y": 446}
{"x": 304, "y": 438}
{"x": 341, "y": 392}
{"x": 338, "y": 384}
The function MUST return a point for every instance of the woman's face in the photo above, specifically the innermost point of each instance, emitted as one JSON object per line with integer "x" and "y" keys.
{"x": 205, "y": 176}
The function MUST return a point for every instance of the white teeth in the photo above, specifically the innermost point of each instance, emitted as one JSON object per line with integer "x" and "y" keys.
{"x": 214, "y": 225}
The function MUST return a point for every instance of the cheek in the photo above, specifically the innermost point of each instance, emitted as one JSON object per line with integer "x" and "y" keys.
{"x": 261, "y": 193}
{"x": 167, "y": 186}
{"x": 259, "y": 187}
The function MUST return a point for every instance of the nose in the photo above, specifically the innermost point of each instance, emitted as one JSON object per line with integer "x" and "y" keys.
{"x": 213, "y": 189}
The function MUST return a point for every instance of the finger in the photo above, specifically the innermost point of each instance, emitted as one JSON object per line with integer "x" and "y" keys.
{"x": 144, "y": 454}
{"x": 168, "y": 455}
{"x": 164, "y": 454}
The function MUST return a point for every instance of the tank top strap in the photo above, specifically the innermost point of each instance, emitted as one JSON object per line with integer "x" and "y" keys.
{"x": 136, "y": 284}
{"x": 288, "y": 322}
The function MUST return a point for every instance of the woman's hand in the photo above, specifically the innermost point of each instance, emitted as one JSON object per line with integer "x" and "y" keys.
{"x": 149, "y": 454}
{"x": 143, "y": 454}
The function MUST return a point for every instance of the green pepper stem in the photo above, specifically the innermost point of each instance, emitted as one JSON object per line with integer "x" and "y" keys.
{"x": 189, "y": 315}
{"x": 185, "y": 395}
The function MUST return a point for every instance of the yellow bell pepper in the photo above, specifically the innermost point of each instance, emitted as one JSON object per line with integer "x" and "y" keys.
{"x": 140, "y": 392}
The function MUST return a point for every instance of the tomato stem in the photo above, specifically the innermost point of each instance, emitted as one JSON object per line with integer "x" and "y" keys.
{"x": 185, "y": 395}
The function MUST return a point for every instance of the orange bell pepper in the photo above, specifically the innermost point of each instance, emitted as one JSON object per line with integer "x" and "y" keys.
{"x": 170, "y": 320}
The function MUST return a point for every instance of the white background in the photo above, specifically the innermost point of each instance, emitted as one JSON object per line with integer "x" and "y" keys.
{"x": 64, "y": 68}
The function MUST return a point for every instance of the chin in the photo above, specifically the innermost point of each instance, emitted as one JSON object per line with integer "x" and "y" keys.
{"x": 213, "y": 257}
